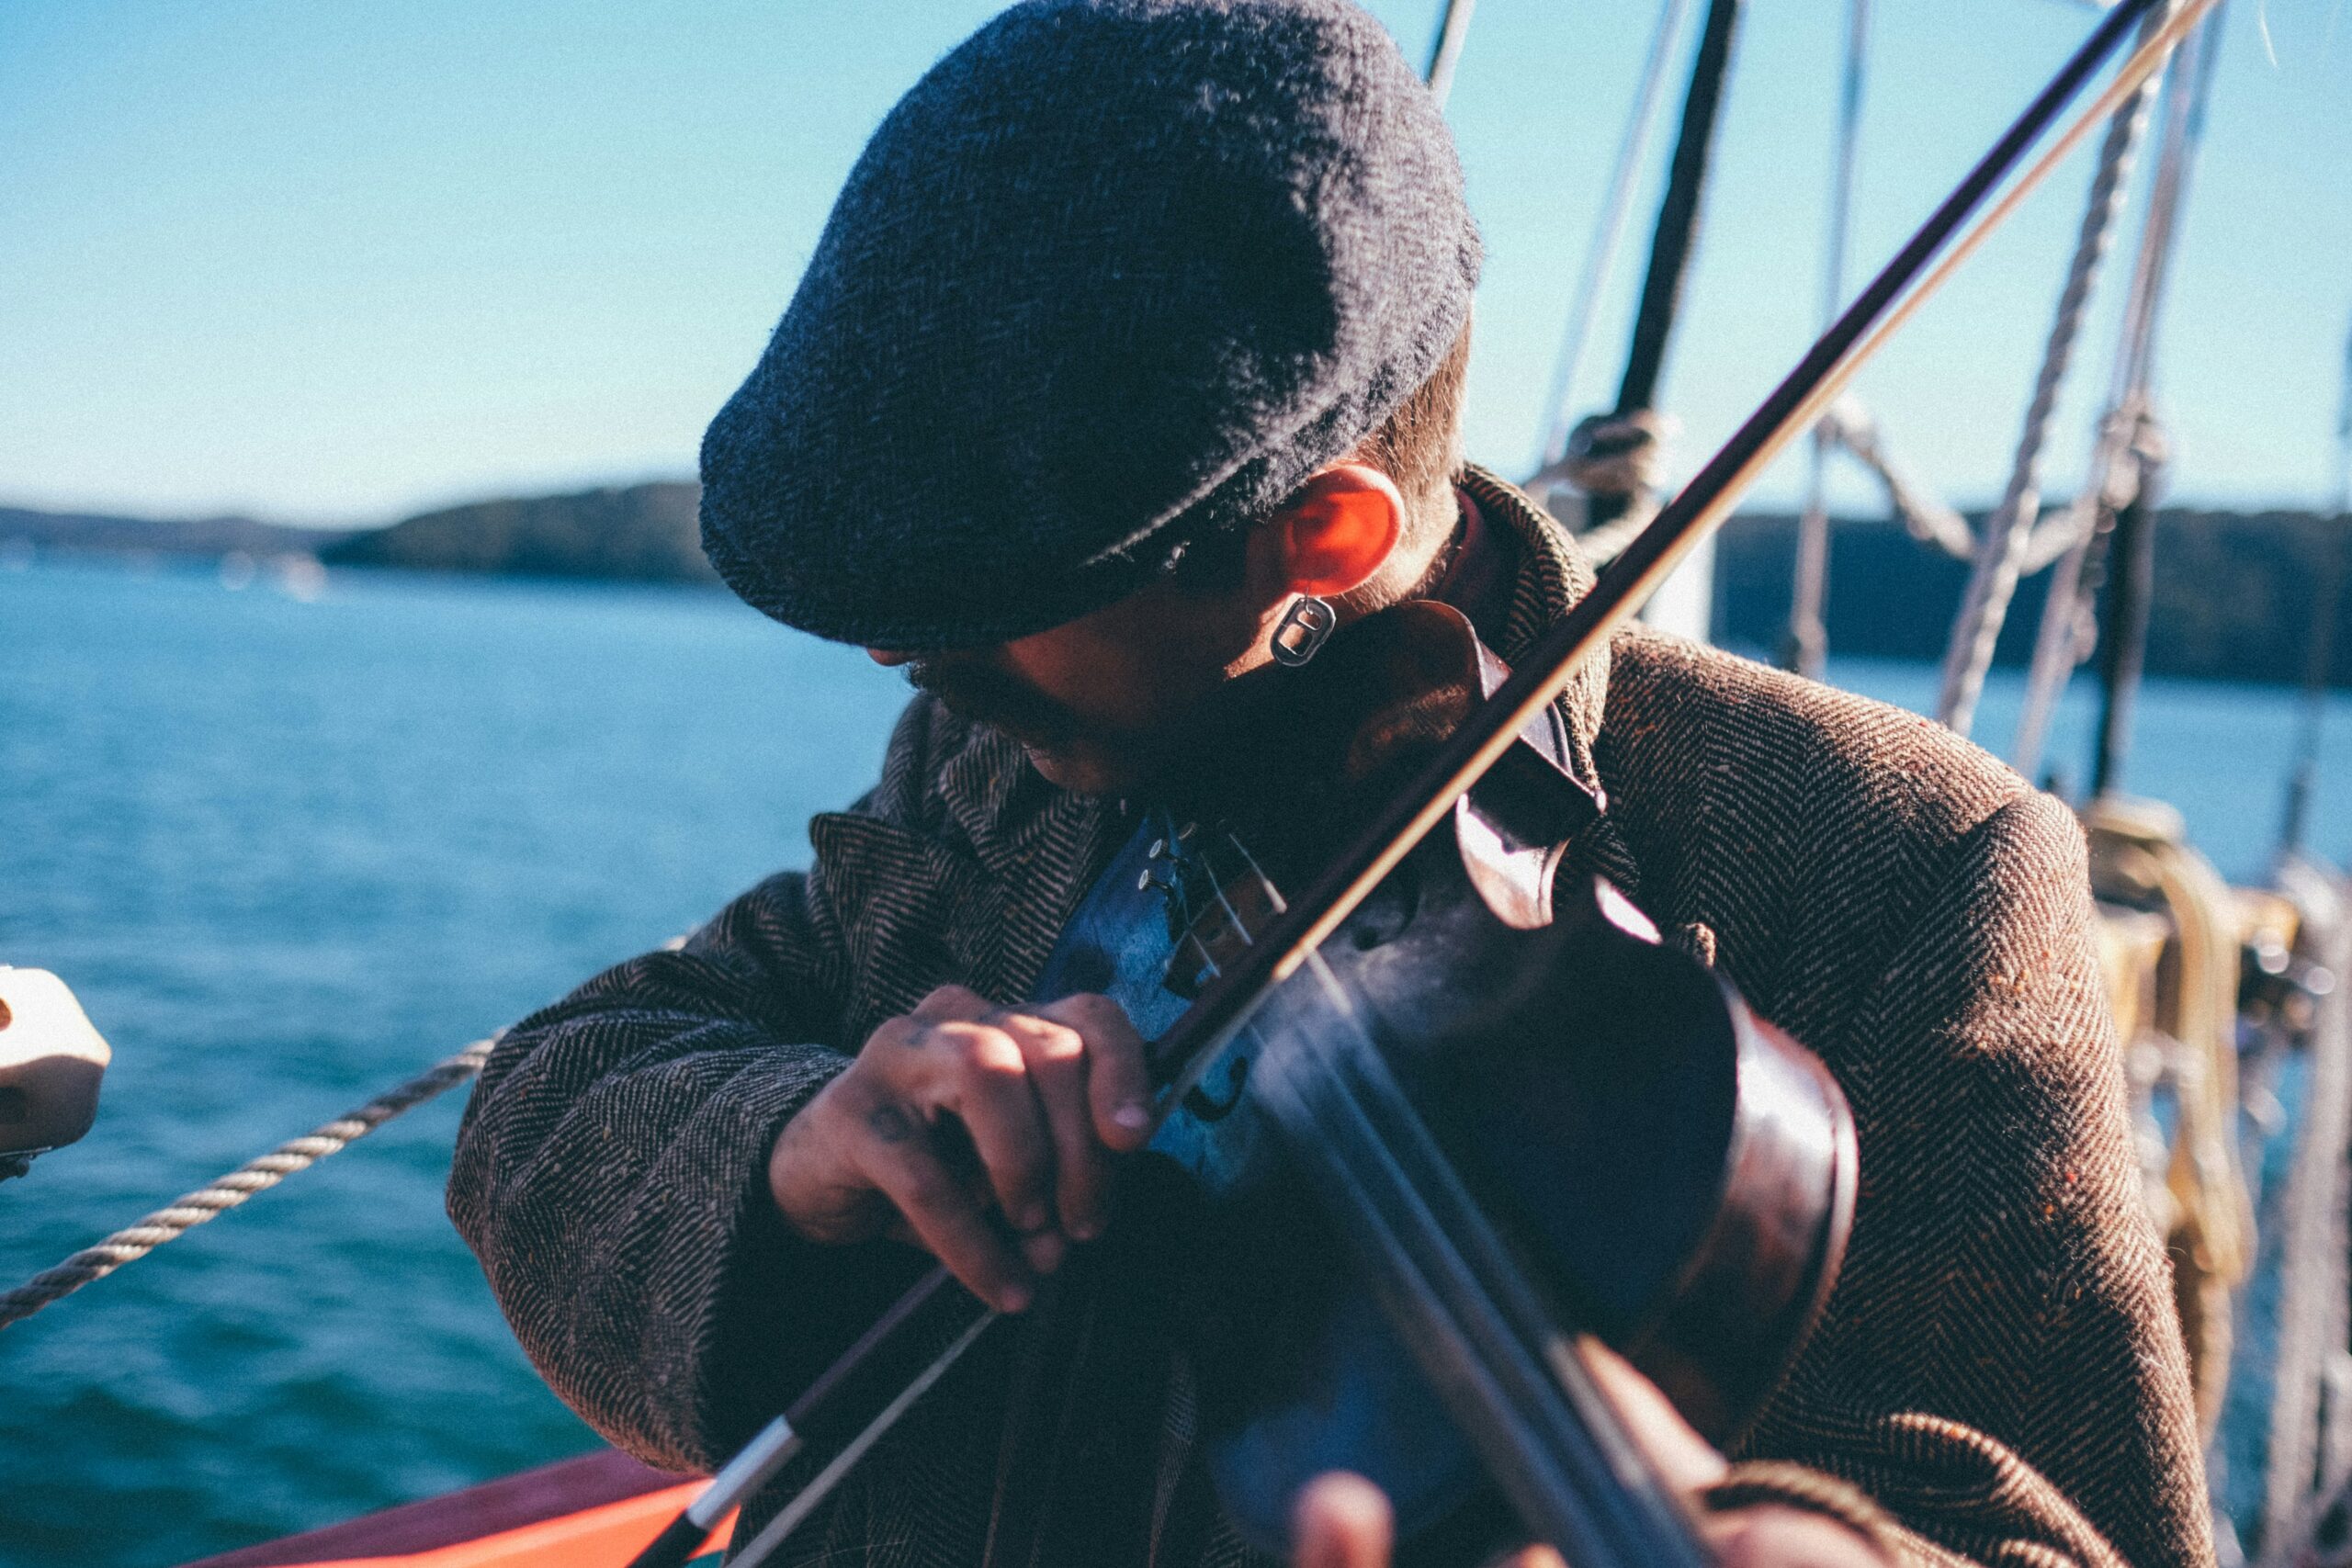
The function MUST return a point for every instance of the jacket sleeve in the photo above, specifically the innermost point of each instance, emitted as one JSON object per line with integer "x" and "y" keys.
{"x": 611, "y": 1176}
{"x": 2000, "y": 1367}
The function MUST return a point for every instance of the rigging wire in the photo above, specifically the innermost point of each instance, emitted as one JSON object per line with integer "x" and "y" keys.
{"x": 1445, "y": 49}
{"x": 1807, "y": 648}
{"x": 2301, "y": 1464}
{"x": 2066, "y": 633}
{"x": 2305, "y": 1458}
{"x": 2325, "y": 610}
{"x": 2000, "y": 551}
{"x": 1600, "y": 258}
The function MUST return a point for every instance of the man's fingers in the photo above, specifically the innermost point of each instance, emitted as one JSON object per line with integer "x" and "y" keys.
{"x": 1341, "y": 1521}
{"x": 898, "y": 1160}
{"x": 980, "y": 1072}
{"x": 1770, "y": 1535}
{"x": 1056, "y": 1055}
{"x": 952, "y": 1004}
{"x": 1680, "y": 1455}
{"x": 1044, "y": 1094}
{"x": 1118, "y": 1082}
{"x": 1759, "y": 1535}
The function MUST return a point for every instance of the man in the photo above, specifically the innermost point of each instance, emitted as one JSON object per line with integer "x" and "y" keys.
{"x": 1136, "y": 335}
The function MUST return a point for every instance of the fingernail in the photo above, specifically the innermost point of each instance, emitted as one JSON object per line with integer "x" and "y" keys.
{"x": 1031, "y": 1217}
{"x": 1135, "y": 1116}
{"x": 1044, "y": 1251}
{"x": 1014, "y": 1298}
{"x": 1085, "y": 1230}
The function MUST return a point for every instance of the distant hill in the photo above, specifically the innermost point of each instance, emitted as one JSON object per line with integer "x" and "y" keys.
{"x": 645, "y": 532}
{"x": 2234, "y": 593}
{"x": 104, "y": 534}
{"x": 2234, "y": 590}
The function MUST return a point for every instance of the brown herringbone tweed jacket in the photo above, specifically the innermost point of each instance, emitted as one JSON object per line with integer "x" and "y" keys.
{"x": 1998, "y": 1368}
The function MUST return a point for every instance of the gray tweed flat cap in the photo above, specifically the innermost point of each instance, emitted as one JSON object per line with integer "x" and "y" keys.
{"x": 1115, "y": 275}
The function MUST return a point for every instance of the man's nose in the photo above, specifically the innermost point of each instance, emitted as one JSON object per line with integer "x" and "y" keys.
{"x": 890, "y": 658}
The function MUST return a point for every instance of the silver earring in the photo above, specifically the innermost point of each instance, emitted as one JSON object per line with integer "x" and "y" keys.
{"x": 1305, "y": 627}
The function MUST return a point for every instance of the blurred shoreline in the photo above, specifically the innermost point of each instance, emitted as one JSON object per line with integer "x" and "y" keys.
{"x": 2235, "y": 590}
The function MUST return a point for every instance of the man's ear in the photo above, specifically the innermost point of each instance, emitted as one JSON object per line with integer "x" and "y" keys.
{"x": 1337, "y": 530}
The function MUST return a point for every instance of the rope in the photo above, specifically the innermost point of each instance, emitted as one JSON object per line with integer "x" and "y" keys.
{"x": 2123, "y": 453}
{"x": 2139, "y": 858}
{"x": 227, "y": 1191}
{"x": 2000, "y": 552}
{"x": 2131, "y": 446}
{"x": 1923, "y": 517}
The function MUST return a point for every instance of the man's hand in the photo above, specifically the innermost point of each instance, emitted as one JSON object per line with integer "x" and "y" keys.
{"x": 1343, "y": 1521}
{"x": 1044, "y": 1095}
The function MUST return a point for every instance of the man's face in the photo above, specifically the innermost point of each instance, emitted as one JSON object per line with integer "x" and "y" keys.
{"x": 1107, "y": 702}
{"x": 1122, "y": 696}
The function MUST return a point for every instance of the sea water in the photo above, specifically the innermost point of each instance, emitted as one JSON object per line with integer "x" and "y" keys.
{"x": 291, "y": 847}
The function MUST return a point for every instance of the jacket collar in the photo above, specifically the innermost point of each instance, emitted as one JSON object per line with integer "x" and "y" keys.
{"x": 1548, "y": 578}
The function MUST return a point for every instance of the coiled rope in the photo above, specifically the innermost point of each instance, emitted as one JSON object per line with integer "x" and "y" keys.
{"x": 186, "y": 1213}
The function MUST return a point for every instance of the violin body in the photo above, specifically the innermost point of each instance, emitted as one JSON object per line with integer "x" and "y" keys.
{"x": 1495, "y": 1115}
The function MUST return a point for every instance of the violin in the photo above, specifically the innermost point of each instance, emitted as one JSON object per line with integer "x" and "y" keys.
{"x": 1514, "y": 1119}
{"x": 1496, "y": 1112}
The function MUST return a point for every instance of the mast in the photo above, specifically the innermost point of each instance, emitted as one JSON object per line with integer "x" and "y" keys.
{"x": 1625, "y": 441}
{"x": 2325, "y": 610}
{"x": 1600, "y": 261}
{"x": 1678, "y": 223}
{"x": 2124, "y": 654}
{"x": 1807, "y": 647}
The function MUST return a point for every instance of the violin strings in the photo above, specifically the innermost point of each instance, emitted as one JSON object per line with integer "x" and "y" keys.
{"x": 1184, "y": 903}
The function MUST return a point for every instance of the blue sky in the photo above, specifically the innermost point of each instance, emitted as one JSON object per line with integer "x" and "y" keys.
{"x": 336, "y": 263}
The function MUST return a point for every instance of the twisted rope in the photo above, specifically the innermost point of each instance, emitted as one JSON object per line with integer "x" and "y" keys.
{"x": 2129, "y": 447}
{"x": 227, "y": 1191}
{"x": 2001, "y": 548}
{"x": 1923, "y": 517}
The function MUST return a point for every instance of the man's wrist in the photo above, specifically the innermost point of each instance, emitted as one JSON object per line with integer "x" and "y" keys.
{"x": 793, "y": 1185}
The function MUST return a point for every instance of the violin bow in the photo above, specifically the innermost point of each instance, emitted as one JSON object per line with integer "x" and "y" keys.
{"x": 1952, "y": 233}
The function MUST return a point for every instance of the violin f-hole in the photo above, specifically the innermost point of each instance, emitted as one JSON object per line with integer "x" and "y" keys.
{"x": 1236, "y": 1082}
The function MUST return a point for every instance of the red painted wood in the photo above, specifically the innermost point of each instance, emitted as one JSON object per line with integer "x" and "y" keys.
{"x": 508, "y": 1503}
